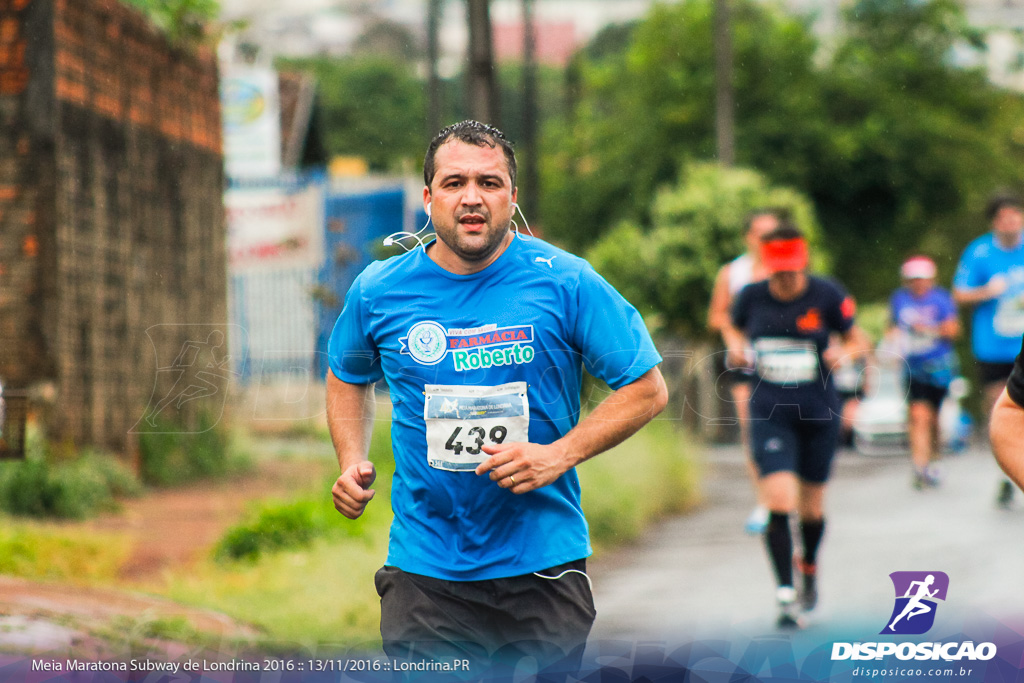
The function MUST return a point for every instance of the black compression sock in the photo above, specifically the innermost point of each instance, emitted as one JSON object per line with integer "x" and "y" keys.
{"x": 811, "y": 531}
{"x": 779, "y": 541}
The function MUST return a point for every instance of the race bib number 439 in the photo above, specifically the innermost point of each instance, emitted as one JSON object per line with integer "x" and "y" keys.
{"x": 461, "y": 420}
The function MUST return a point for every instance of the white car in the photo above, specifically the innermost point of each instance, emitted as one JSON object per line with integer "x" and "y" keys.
{"x": 880, "y": 424}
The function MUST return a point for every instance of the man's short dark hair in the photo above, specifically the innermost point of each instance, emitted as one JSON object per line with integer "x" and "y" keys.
{"x": 999, "y": 201}
{"x": 473, "y": 133}
{"x": 785, "y": 231}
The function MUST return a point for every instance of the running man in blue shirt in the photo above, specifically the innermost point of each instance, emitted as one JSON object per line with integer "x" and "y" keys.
{"x": 924, "y": 322}
{"x": 990, "y": 278}
{"x": 482, "y": 336}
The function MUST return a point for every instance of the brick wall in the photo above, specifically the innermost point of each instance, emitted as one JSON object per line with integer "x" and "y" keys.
{"x": 112, "y": 178}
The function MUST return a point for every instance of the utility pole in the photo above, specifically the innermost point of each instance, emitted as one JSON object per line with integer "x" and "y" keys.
{"x": 529, "y": 197}
{"x": 433, "y": 81}
{"x": 724, "y": 100}
{"x": 483, "y": 85}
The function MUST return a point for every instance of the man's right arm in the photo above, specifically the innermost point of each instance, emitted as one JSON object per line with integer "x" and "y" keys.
{"x": 350, "y": 414}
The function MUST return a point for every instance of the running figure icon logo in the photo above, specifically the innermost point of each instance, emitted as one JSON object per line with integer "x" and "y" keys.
{"x": 916, "y": 596}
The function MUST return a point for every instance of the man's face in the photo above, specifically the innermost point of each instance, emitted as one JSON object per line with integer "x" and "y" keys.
{"x": 471, "y": 197}
{"x": 1008, "y": 222}
{"x": 759, "y": 227}
{"x": 920, "y": 285}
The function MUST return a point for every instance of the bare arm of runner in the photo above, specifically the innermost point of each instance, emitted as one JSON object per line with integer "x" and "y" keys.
{"x": 718, "y": 310}
{"x": 523, "y": 467}
{"x": 855, "y": 344}
{"x": 736, "y": 345}
{"x": 950, "y": 328}
{"x": 1006, "y": 433}
{"x": 350, "y": 413}
{"x": 968, "y": 296}
{"x": 720, "y": 320}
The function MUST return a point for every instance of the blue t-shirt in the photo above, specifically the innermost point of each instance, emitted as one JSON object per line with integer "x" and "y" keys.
{"x": 997, "y": 325}
{"x": 484, "y": 358}
{"x": 929, "y": 357}
{"x": 788, "y": 339}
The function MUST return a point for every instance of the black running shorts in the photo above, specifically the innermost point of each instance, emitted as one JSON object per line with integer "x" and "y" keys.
{"x": 493, "y": 624}
{"x": 787, "y": 442}
{"x": 922, "y": 391}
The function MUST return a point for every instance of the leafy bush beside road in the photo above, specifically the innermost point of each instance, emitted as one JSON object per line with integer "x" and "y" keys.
{"x": 171, "y": 455}
{"x": 40, "y": 487}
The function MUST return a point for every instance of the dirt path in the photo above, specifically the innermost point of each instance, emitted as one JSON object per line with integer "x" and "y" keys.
{"x": 176, "y": 527}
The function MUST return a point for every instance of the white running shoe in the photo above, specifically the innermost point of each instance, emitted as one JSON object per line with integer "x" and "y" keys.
{"x": 789, "y": 608}
{"x": 756, "y": 521}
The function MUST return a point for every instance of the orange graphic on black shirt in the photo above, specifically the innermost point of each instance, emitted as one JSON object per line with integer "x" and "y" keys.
{"x": 809, "y": 321}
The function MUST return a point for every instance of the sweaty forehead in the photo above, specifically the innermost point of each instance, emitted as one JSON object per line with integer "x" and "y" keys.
{"x": 459, "y": 158}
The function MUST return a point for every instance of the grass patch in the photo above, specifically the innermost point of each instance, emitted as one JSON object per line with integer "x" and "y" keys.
{"x": 35, "y": 552}
{"x": 649, "y": 476}
{"x": 306, "y": 598}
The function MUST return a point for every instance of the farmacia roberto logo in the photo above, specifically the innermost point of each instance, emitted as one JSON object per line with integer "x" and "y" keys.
{"x": 428, "y": 343}
{"x": 917, "y": 594}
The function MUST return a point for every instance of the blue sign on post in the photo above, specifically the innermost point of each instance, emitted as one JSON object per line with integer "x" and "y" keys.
{"x": 356, "y": 225}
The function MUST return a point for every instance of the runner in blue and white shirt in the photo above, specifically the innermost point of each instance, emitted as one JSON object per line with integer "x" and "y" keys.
{"x": 990, "y": 277}
{"x": 482, "y": 337}
{"x": 924, "y": 325}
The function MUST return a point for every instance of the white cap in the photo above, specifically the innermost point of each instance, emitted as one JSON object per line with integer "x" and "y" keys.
{"x": 918, "y": 267}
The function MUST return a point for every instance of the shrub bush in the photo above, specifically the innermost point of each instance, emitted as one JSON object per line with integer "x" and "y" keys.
{"x": 38, "y": 487}
{"x": 278, "y": 527}
{"x": 172, "y": 455}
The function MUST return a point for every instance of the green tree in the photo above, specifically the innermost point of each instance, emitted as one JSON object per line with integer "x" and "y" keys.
{"x": 915, "y": 140}
{"x": 181, "y": 20}
{"x": 668, "y": 269}
{"x": 372, "y": 107}
{"x": 637, "y": 114}
{"x": 893, "y": 135}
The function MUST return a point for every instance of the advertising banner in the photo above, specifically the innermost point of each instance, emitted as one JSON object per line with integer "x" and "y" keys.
{"x": 251, "y": 112}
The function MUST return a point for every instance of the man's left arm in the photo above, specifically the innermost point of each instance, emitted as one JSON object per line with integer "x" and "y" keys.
{"x": 522, "y": 467}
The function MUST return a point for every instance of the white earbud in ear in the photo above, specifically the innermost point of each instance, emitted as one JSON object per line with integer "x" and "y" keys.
{"x": 428, "y": 208}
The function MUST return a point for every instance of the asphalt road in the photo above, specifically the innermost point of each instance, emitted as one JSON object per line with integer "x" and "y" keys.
{"x": 700, "y": 574}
